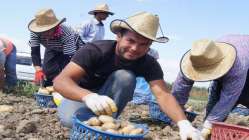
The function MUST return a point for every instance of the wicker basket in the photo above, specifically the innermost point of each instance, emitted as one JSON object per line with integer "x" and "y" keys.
{"x": 81, "y": 131}
{"x": 157, "y": 114}
{"x": 222, "y": 131}
{"x": 44, "y": 100}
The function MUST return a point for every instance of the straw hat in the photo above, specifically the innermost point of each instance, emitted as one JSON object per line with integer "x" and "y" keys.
{"x": 207, "y": 60}
{"x": 45, "y": 20}
{"x": 144, "y": 23}
{"x": 101, "y": 8}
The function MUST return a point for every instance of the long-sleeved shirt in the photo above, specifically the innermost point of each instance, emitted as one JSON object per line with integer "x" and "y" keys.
{"x": 91, "y": 30}
{"x": 68, "y": 42}
{"x": 232, "y": 82}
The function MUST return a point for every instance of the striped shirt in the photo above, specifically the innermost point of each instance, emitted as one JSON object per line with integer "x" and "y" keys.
{"x": 91, "y": 30}
{"x": 232, "y": 82}
{"x": 67, "y": 43}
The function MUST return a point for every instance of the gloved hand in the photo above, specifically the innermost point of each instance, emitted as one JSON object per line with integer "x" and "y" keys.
{"x": 39, "y": 76}
{"x": 188, "y": 131}
{"x": 100, "y": 104}
{"x": 206, "y": 130}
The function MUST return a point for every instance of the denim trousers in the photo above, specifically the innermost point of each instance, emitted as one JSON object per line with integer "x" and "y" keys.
{"x": 10, "y": 69}
{"x": 119, "y": 86}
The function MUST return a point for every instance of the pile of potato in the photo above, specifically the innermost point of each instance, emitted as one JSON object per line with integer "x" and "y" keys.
{"x": 109, "y": 124}
{"x": 46, "y": 90}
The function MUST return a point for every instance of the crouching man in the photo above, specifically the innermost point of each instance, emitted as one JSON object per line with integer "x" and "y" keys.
{"x": 102, "y": 75}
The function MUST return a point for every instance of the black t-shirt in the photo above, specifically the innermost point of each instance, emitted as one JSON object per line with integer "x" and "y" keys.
{"x": 99, "y": 60}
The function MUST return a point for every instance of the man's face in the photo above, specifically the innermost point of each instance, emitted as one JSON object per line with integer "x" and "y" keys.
{"x": 48, "y": 34}
{"x": 131, "y": 45}
{"x": 101, "y": 16}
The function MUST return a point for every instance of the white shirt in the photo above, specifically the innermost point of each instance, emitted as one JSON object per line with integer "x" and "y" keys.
{"x": 91, "y": 30}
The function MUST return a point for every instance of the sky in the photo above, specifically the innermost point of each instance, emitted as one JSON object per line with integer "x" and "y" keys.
{"x": 183, "y": 21}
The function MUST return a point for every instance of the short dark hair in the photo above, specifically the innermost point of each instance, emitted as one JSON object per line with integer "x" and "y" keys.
{"x": 123, "y": 31}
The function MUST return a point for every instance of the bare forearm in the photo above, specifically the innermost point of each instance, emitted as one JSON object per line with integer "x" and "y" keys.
{"x": 170, "y": 106}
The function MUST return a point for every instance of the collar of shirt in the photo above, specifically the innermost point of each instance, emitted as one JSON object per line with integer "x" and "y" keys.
{"x": 98, "y": 23}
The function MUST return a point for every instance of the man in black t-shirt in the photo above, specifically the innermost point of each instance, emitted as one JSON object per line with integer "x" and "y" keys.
{"x": 102, "y": 75}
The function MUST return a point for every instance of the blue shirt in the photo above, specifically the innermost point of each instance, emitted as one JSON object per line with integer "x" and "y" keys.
{"x": 91, "y": 30}
{"x": 232, "y": 82}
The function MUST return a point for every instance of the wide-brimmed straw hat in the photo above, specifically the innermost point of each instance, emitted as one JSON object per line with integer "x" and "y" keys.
{"x": 45, "y": 20}
{"x": 143, "y": 23}
{"x": 207, "y": 60}
{"x": 101, "y": 8}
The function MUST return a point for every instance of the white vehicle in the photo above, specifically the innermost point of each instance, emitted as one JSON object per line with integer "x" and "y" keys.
{"x": 24, "y": 66}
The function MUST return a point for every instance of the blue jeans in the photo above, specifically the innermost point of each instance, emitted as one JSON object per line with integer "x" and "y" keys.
{"x": 119, "y": 86}
{"x": 10, "y": 69}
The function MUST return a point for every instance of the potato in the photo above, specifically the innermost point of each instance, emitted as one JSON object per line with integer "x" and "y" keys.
{"x": 105, "y": 118}
{"x": 124, "y": 124}
{"x": 189, "y": 109}
{"x": 136, "y": 131}
{"x": 114, "y": 108}
{"x": 94, "y": 121}
{"x": 126, "y": 130}
{"x": 108, "y": 125}
{"x": 50, "y": 89}
{"x": 6, "y": 108}
{"x": 43, "y": 91}
{"x": 118, "y": 124}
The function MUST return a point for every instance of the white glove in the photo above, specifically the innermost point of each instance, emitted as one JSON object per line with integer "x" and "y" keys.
{"x": 206, "y": 130}
{"x": 188, "y": 131}
{"x": 100, "y": 104}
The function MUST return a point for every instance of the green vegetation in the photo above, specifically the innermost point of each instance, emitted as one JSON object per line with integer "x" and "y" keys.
{"x": 24, "y": 88}
{"x": 199, "y": 94}
{"x": 198, "y": 97}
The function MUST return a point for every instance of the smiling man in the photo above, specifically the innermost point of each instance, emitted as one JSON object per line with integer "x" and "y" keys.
{"x": 101, "y": 77}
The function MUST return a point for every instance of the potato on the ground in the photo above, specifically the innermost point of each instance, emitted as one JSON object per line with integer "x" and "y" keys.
{"x": 6, "y": 108}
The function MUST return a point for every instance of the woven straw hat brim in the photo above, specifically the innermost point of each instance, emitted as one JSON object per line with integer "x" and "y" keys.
{"x": 38, "y": 29}
{"x": 118, "y": 24}
{"x": 211, "y": 72}
{"x": 99, "y": 11}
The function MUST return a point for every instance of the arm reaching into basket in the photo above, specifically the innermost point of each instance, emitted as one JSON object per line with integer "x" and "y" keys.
{"x": 169, "y": 106}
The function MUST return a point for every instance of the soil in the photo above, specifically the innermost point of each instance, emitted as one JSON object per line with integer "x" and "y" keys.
{"x": 27, "y": 121}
